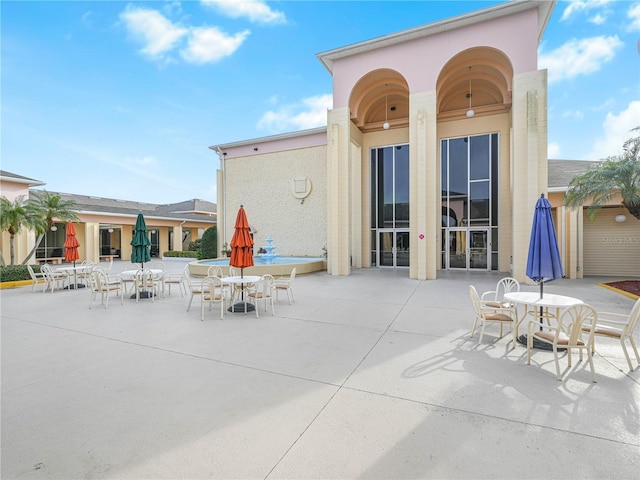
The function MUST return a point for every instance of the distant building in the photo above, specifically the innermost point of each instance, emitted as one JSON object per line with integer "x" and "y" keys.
{"x": 106, "y": 225}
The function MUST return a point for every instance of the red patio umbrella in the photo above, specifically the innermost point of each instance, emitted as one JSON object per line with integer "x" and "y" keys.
{"x": 241, "y": 252}
{"x": 71, "y": 245}
{"x": 71, "y": 253}
{"x": 241, "y": 243}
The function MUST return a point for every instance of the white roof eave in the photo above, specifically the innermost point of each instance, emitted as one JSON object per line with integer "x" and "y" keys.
{"x": 545, "y": 8}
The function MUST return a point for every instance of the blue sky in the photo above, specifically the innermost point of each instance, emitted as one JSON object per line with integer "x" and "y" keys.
{"x": 123, "y": 99}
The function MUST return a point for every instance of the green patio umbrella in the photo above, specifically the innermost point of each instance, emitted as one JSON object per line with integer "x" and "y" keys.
{"x": 140, "y": 252}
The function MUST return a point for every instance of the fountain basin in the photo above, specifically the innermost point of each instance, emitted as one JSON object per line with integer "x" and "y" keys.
{"x": 280, "y": 266}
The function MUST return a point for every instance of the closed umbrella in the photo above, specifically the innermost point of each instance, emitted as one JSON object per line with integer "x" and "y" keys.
{"x": 140, "y": 242}
{"x": 140, "y": 252}
{"x": 241, "y": 252}
{"x": 71, "y": 253}
{"x": 543, "y": 260}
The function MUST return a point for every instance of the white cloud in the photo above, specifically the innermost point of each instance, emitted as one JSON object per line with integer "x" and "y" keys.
{"x": 617, "y": 130}
{"x": 155, "y": 31}
{"x": 310, "y": 112}
{"x": 553, "y": 150}
{"x": 255, "y": 10}
{"x": 598, "y": 19}
{"x": 210, "y": 45}
{"x": 634, "y": 14}
{"x": 579, "y": 57}
{"x": 577, "y": 6}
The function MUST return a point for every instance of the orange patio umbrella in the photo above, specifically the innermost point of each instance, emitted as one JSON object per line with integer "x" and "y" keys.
{"x": 241, "y": 254}
{"x": 71, "y": 253}
{"x": 71, "y": 244}
{"x": 241, "y": 243}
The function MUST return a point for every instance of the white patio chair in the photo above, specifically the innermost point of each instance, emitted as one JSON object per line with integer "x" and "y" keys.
{"x": 54, "y": 278}
{"x": 621, "y": 327}
{"x": 568, "y": 333}
{"x": 495, "y": 298}
{"x": 146, "y": 282}
{"x": 169, "y": 279}
{"x": 103, "y": 285}
{"x": 212, "y": 292}
{"x": 39, "y": 278}
{"x": 262, "y": 291}
{"x": 286, "y": 283}
{"x": 485, "y": 314}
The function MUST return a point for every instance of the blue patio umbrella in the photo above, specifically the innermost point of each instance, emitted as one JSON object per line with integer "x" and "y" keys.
{"x": 543, "y": 261}
{"x": 140, "y": 242}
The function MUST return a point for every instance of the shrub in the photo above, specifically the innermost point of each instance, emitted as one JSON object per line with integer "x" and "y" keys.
{"x": 209, "y": 245}
{"x": 15, "y": 273}
{"x": 195, "y": 245}
{"x": 182, "y": 254}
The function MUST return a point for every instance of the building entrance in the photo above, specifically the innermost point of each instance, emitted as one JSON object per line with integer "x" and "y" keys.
{"x": 390, "y": 206}
{"x": 470, "y": 202}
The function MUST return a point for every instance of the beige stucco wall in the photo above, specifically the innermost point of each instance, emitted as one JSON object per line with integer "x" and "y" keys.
{"x": 528, "y": 160}
{"x": 263, "y": 185}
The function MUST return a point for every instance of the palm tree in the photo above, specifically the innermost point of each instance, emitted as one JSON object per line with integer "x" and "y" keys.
{"x": 16, "y": 215}
{"x": 617, "y": 174}
{"x": 50, "y": 206}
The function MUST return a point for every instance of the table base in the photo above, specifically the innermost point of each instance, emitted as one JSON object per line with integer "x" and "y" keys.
{"x": 522, "y": 340}
{"x": 74, "y": 286}
{"x": 240, "y": 307}
{"x": 144, "y": 294}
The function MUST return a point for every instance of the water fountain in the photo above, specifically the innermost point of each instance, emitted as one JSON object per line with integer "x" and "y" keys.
{"x": 269, "y": 256}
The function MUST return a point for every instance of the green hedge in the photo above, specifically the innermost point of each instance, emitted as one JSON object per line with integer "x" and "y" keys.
{"x": 182, "y": 254}
{"x": 15, "y": 273}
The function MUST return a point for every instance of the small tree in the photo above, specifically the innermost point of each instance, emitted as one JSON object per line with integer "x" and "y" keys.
{"x": 617, "y": 174}
{"x": 16, "y": 215}
{"x": 50, "y": 206}
{"x": 209, "y": 245}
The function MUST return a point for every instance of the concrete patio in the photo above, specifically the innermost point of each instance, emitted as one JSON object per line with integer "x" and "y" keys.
{"x": 373, "y": 375}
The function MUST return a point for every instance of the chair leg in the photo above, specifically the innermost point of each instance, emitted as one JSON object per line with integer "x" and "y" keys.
{"x": 557, "y": 362}
{"x": 626, "y": 353}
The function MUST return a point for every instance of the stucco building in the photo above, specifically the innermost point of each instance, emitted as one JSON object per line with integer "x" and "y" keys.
{"x": 105, "y": 227}
{"x": 433, "y": 157}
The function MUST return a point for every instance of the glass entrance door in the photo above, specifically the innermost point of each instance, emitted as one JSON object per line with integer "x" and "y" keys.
{"x": 393, "y": 248}
{"x": 468, "y": 249}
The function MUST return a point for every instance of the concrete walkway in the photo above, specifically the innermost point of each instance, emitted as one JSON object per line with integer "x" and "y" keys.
{"x": 373, "y": 375}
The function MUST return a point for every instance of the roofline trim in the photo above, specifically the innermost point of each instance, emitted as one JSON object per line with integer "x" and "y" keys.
{"x": 26, "y": 181}
{"x": 271, "y": 138}
{"x": 146, "y": 217}
{"x": 545, "y": 8}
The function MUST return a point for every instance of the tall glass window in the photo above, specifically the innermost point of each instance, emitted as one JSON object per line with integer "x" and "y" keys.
{"x": 390, "y": 205}
{"x": 470, "y": 201}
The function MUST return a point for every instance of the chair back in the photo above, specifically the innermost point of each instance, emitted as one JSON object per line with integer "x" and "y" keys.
{"x": 576, "y": 320}
{"x": 634, "y": 317}
{"x": 94, "y": 280}
{"x": 268, "y": 284}
{"x": 214, "y": 271}
{"x": 157, "y": 265}
{"x": 506, "y": 285}
{"x": 292, "y": 276}
{"x": 234, "y": 271}
{"x": 475, "y": 300}
{"x": 32, "y": 273}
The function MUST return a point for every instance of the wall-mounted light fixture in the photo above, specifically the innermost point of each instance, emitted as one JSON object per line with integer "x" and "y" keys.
{"x": 53, "y": 228}
{"x": 385, "y": 125}
{"x": 110, "y": 230}
{"x": 470, "y": 112}
{"x": 621, "y": 218}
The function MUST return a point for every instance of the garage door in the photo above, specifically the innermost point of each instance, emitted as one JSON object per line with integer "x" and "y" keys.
{"x": 611, "y": 248}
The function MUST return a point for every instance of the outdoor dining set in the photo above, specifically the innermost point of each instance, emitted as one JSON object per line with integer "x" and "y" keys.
{"x": 236, "y": 293}
{"x": 554, "y": 322}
